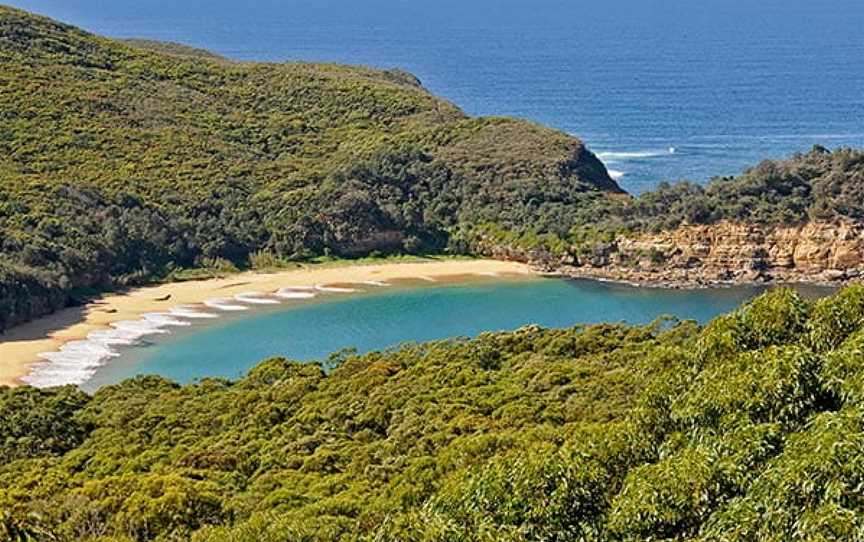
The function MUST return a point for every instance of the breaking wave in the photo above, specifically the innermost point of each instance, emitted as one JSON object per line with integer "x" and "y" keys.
{"x": 335, "y": 289}
{"x": 254, "y": 298}
{"x": 224, "y": 305}
{"x": 295, "y": 293}
{"x": 613, "y": 158}
{"x": 76, "y": 362}
{"x": 619, "y": 156}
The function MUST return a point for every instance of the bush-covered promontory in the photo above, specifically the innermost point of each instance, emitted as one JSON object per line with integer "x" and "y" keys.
{"x": 751, "y": 428}
{"x": 122, "y": 161}
{"x": 817, "y": 186}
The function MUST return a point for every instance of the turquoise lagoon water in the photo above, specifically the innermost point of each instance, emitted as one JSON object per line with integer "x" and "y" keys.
{"x": 386, "y": 317}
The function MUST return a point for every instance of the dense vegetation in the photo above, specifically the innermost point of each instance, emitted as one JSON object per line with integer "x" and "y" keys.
{"x": 819, "y": 185}
{"x": 123, "y": 161}
{"x": 751, "y": 428}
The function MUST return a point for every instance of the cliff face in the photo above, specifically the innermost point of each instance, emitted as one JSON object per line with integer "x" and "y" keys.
{"x": 814, "y": 247}
{"x": 722, "y": 253}
{"x": 731, "y": 252}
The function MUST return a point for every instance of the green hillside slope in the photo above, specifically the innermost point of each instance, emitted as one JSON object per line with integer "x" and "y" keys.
{"x": 120, "y": 161}
{"x": 751, "y": 428}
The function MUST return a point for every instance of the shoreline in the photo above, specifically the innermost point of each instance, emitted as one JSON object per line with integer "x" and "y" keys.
{"x": 21, "y": 345}
{"x": 677, "y": 279}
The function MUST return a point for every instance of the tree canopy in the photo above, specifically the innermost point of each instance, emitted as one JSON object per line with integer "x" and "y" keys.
{"x": 750, "y": 428}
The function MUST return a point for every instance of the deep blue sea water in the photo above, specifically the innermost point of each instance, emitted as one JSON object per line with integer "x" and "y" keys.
{"x": 724, "y": 82}
{"x": 384, "y": 318}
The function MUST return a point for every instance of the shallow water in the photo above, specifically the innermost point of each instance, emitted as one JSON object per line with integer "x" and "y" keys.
{"x": 384, "y": 317}
{"x": 725, "y": 83}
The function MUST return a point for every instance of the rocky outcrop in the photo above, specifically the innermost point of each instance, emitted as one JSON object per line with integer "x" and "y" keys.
{"x": 726, "y": 253}
{"x": 705, "y": 255}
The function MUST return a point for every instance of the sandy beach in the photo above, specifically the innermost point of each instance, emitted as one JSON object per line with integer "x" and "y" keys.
{"x": 20, "y": 346}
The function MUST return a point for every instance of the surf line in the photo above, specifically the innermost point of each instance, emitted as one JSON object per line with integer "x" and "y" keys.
{"x": 76, "y": 362}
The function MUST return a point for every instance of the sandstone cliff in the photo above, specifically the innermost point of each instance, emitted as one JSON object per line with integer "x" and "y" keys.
{"x": 722, "y": 253}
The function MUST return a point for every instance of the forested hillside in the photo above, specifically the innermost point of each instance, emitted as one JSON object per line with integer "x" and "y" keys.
{"x": 751, "y": 428}
{"x": 122, "y": 161}
{"x": 817, "y": 186}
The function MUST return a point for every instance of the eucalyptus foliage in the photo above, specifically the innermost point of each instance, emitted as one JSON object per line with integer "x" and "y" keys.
{"x": 750, "y": 428}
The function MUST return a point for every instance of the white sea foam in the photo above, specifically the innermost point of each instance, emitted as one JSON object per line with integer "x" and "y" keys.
{"x": 77, "y": 361}
{"x": 112, "y": 337}
{"x": 377, "y": 283}
{"x": 427, "y": 279}
{"x": 224, "y": 305}
{"x": 335, "y": 289}
{"x": 294, "y": 293}
{"x": 612, "y": 157}
{"x": 130, "y": 331}
{"x": 489, "y": 274}
{"x": 190, "y": 312}
{"x": 254, "y": 298}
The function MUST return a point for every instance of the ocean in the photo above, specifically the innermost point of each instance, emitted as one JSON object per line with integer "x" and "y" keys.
{"x": 662, "y": 90}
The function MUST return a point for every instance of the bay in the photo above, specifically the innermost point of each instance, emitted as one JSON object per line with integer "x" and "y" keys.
{"x": 385, "y": 318}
